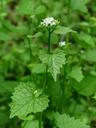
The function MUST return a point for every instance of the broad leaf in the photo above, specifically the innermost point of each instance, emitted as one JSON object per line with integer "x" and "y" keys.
{"x": 40, "y": 9}
{"x": 54, "y": 62}
{"x": 25, "y": 7}
{"x": 37, "y": 68}
{"x": 27, "y": 99}
{"x": 79, "y": 5}
{"x": 76, "y": 73}
{"x": 65, "y": 121}
{"x": 7, "y": 86}
{"x": 87, "y": 39}
{"x": 63, "y": 30}
{"x": 30, "y": 124}
{"x": 87, "y": 86}
{"x": 90, "y": 55}
{"x": 4, "y": 36}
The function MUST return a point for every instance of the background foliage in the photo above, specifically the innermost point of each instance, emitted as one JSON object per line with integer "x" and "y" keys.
{"x": 63, "y": 96}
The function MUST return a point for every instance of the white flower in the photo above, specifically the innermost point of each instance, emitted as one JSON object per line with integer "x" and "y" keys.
{"x": 62, "y": 43}
{"x": 49, "y": 21}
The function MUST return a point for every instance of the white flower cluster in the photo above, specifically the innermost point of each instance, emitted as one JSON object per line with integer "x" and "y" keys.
{"x": 49, "y": 21}
{"x": 62, "y": 43}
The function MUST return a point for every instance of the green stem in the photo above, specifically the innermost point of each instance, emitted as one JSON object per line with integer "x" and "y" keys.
{"x": 49, "y": 51}
{"x": 45, "y": 79}
{"x": 30, "y": 54}
{"x": 46, "y": 75}
{"x": 40, "y": 120}
{"x": 30, "y": 50}
{"x": 49, "y": 40}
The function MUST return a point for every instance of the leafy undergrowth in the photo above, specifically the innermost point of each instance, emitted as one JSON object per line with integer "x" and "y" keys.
{"x": 47, "y": 63}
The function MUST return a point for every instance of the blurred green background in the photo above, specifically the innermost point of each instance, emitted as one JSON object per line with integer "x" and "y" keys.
{"x": 20, "y": 19}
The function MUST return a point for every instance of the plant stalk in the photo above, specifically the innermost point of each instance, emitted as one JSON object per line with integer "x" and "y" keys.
{"x": 46, "y": 75}
{"x": 40, "y": 120}
{"x": 30, "y": 50}
{"x": 49, "y": 40}
{"x": 49, "y": 51}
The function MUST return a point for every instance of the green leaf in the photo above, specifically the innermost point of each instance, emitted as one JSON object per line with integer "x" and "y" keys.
{"x": 27, "y": 118}
{"x": 79, "y": 5}
{"x": 65, "y": 121}
{"x": 30, "y": 124}
{"x": 57, "y": 95}
{"x": 90, "y": 55}
{"x": 25, "y": 7}
{"x": 76, "y": 73}
{"x": 27, "y": 99}
{"x": 7, "y": 86}
{"x": 4, "y": 36}
{"x": 38, "y": 68}
{"x": 86, "y": 38}
{"x": 54, "y": 61}
{"x": 40, "y": 9}
{"x": 63, "y": 30}
{"x": 87, "y": 86}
